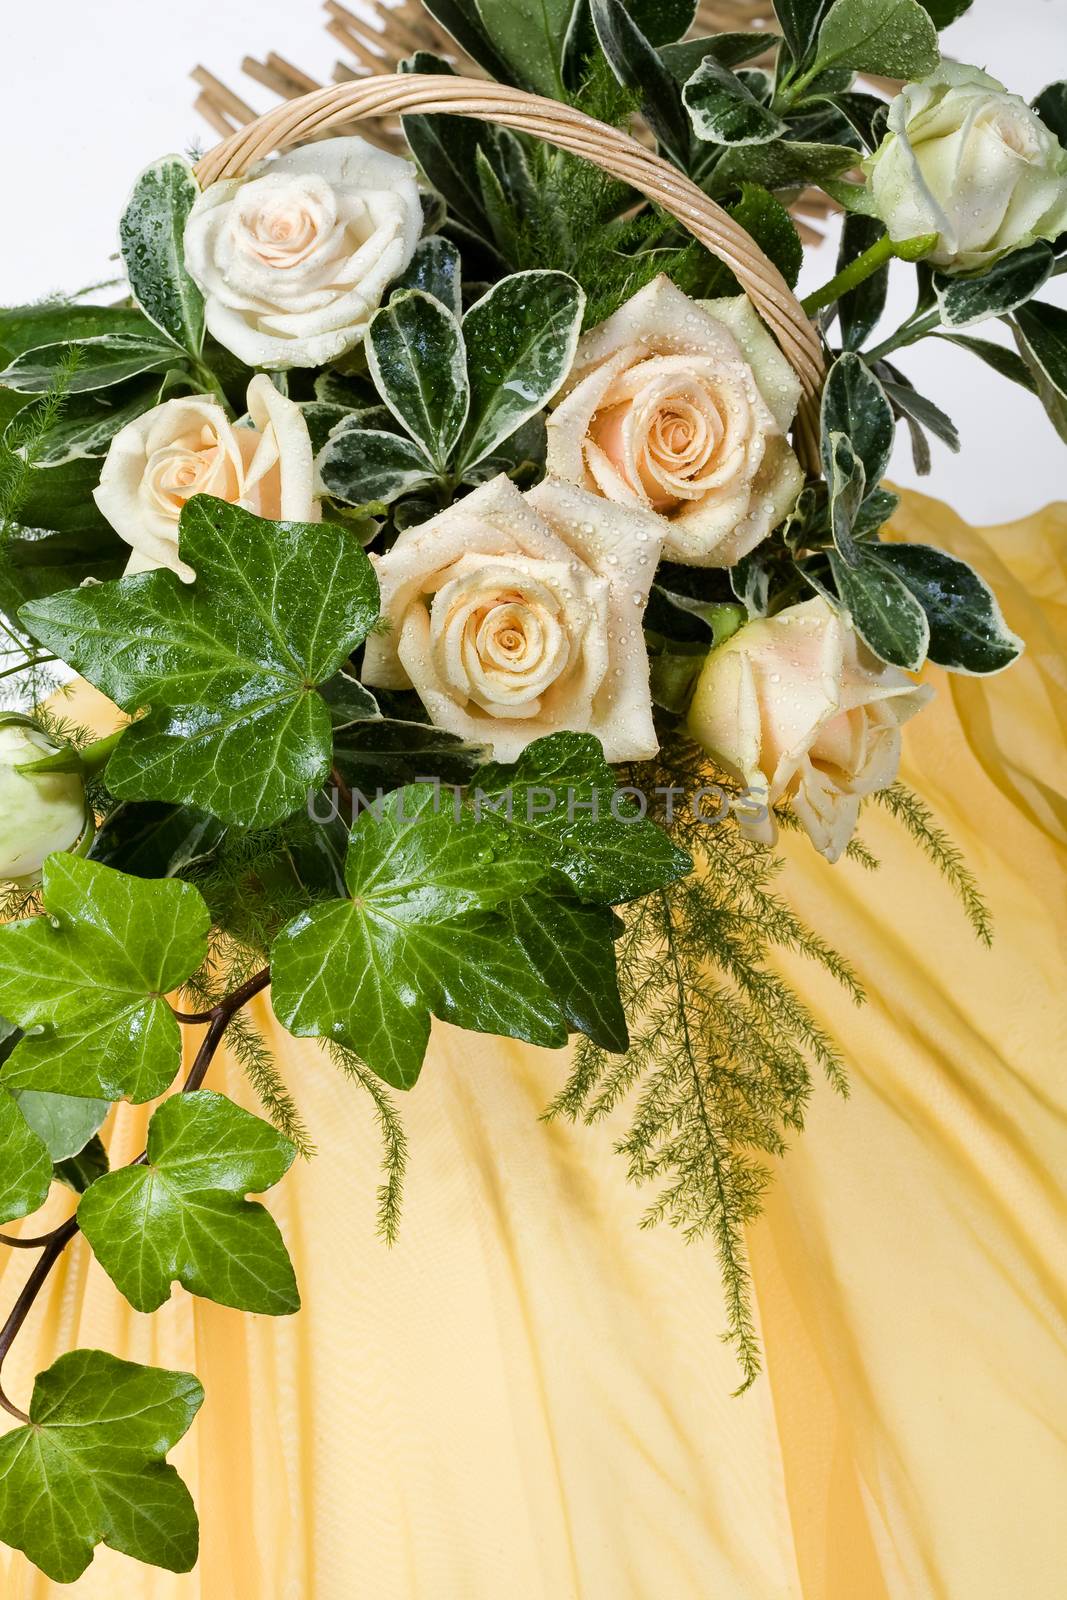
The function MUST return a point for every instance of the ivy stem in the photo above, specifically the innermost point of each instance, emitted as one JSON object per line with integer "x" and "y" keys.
{"x": 882, "y": 251}
{"x": 53, "y": 1244}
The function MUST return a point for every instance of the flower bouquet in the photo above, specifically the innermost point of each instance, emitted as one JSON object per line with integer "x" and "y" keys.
{"x": 486, "y": 555}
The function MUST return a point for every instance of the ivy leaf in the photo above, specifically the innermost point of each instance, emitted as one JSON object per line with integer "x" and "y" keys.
{"x": 434, "y": 268}
{"x": 366, "y": 466}
{"x": 227, "y": 665}
{"x": 637, "y": 66}
{"x": 884, "y": 612}
{"x": 109, "y": 359}
{"x": 182, "y": 1217}
{"x": 855, "y": 404}
{"x": 893, "y": 38}
{"x": 151, "y": 234}
{"x": 521, "y": 338}
{"x": 1008, "y": 283}
{"x": 561, "y": 798}
{"x": 25, "y": 1165}
{"x": 63, "y": 1122}
{"x": 89, "y": 979}
{"x": 417, "y": 359}
{"x": 89, "y": 1468}
{"x": 420, "y": 935}
{"x": 723, "y": 110}
{"x": 572, "y": 946}
{"x": 967, "y": 628}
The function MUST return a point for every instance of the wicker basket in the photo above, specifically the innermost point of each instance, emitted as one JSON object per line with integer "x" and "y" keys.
{"x": 608, "y": 148}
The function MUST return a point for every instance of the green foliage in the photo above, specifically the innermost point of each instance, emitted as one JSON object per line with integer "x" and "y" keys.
{"x": 559, "y": 800}
{"x": 64, "y": 1122}
{"x": 1041, "y": 335}
{"x": 895, "y": 38}
{"x": 393, "y": 1139}
{"x": 531, "y": 36}
{"x": 228, "y": 665}
{"x": 181, "y": 1217}
{"x": 417, "y": 358}
{"x": 89, "y": 978}
{"x": 639, "y": 68}
{"x": 721, "y": 1048}
{"x": 25, "y": 1165}
{"x": 420, "y": 934}
{"x": 102, "y": 362}
{"x": 1007, "y": 284}
{"x": 89, "y": 1466}
{"x": 151, "y": 232}
{"x": 917, "y": 817}
{"x": 967, "y": 629}
{"x": 884, "y": 611}
{"x": 723, "y": 109}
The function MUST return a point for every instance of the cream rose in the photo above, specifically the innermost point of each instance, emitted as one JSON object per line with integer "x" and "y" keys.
{"x": 189, "y": 446}
{"x": 516, "y": 615}
{"x": 796, "y": 704}
{"x": 39, "y": 811}
{"x": 975, "y": 165}
{"x": 679, "y": 408}
{"x": 293, "y": 259}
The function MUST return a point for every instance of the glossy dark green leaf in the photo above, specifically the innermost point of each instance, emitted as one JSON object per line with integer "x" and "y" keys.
{"x": 766, "y": 220}
{"x": 847, "y": 484}
{"x": 38, "y": 563}
{"x": 942, "y": 12}
{"x": 462, "y": 19}
{"x": 572, "y": 946}
{"x": 151, "y": 839}
{"x": 324, "y": 419}
{"x": 906, "y": 401}
{"x": 637, "y": 66}
{"x": 1008, "y": 283}
{"x": 181, "y": 1217}
{"x": 101, "y": 362}
{"x": 419, "y": 936}
{"x": 728, "y": 49}
{"x": 29, "y": 327}
{"x": 366, "y": 466}
{"x": 25, "y": 1165}
{"x": 662, "y": 21}
{"x": 860, "y": 311}
{"x": 521, "y": 338}
{"x": 1002, "y": 360}
{"x": 967, "y": 628}
{"x": 1050, "y": 105}
{"x": 389, "y": 752}
{"x": 418, "y": 360}
{"x": 151, "y": 234}
{"x": 434, "y": 268}
{"x": 228, "y": 664}
{"x": 349, "y": 701}
{"x": 893, "y": 38}
{"x": 800, "y": 21}
{"x": 781, "y": 164}
{"x": 531, "y": 36}
{"x": 884, "y": 611}
{"x": 89, "y": 1467}
{"x": 560, "y": 797}
{"x": 63, "y": 1122}
{"x": 1041, "y": 333}
{"x": 723, "y": 110}
{"x": 865, "y": 115}
{"x": 854, "y": 403}
{"x": 87, "y": 424}
{"x": 89, "y": 980}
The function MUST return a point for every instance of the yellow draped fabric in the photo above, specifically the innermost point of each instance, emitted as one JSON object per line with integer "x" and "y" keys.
{"x": 527, "y": 1399}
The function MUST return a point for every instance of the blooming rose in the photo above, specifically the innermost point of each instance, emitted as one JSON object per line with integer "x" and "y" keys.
{"x": 796, "y": 703}
{"x": 39, "y": 811}
{"x": 965, "y": 160}
{"x": 189, "y": 446}
{"x": 679, "y": 408}
{"x": 515, "y": 615}
{"x": 293, "y": 259}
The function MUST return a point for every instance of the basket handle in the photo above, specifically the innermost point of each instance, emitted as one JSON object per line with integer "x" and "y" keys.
{"x": 610, "y": 149}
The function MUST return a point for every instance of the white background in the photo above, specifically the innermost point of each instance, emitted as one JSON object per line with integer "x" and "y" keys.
{"x": 94, "y": 91}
